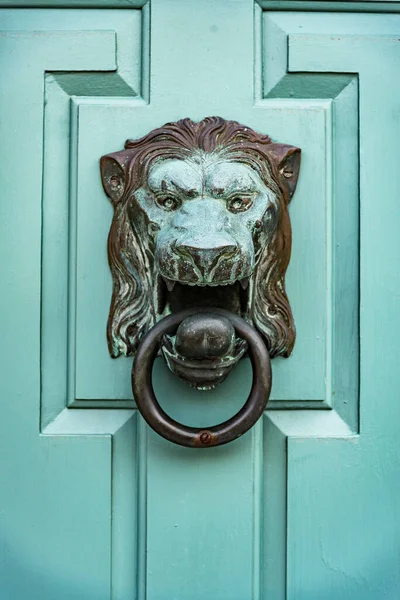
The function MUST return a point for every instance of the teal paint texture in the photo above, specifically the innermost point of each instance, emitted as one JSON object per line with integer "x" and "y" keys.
{"x": 95, "y": 506}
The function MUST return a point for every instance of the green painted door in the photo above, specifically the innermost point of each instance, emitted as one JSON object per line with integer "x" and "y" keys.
{"x": 93, "y": 505}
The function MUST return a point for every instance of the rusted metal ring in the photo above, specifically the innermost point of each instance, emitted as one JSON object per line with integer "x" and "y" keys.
{"x": 195, "y": 437}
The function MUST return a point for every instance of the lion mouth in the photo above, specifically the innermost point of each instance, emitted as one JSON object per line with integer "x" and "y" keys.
{"x": 170, "y": 283}
{"x": 190, "y": 353}
{"x": 175, "y": 296}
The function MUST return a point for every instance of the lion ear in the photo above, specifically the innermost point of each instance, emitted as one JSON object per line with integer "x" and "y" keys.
{"x": 287, "y": 161}
{"x": 112, "y": 167}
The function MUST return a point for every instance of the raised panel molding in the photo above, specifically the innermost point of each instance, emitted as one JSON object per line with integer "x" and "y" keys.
{"x": 340, "y": 199}
{"x": 92, "y": 379}
{"x": 73, "y": 3}
{"x": 128, "y": 76}
{"x": 366, "y": 6}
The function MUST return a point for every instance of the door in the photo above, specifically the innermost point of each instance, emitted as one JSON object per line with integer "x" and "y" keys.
{"x": 96, "y": 506}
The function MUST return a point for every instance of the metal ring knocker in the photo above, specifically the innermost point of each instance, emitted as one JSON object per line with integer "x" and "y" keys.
{"x": 215, "y": 435}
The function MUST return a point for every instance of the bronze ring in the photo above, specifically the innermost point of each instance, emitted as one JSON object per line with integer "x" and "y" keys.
{"x": 195, "y": 437}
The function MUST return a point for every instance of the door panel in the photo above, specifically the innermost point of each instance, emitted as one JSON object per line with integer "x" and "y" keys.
{"x": 96, "y": 506}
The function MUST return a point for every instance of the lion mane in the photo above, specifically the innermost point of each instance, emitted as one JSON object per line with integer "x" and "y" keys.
{"x": 133, "y": 309}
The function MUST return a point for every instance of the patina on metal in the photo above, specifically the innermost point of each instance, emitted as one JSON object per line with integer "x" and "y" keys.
{"x": 200, "y": 238}
{"x": 204, "y": 350}
{"x": 215, "y": 435}
{"x": 200, "y": 219}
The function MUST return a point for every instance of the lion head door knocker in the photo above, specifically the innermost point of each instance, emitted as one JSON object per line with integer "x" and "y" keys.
{"x": 198, "y": 249}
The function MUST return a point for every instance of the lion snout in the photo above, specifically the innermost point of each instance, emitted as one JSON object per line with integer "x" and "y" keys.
{"x": 205, "y": 260}
{"x": 197, "y": 265}
{"x": 203, "y": 255}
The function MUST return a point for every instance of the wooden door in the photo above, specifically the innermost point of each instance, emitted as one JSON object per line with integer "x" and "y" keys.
{"x": 93, "y": 504}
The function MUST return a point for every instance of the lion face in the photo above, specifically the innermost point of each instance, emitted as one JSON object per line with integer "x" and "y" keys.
{"x": 205, "y": 215}
{"x": 200, "y": 219}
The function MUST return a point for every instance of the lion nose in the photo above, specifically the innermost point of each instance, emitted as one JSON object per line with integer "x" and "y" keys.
{"x": 205, "y": 259}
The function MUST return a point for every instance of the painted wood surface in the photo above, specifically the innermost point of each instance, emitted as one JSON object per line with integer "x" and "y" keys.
{"x": 94, "y": 506}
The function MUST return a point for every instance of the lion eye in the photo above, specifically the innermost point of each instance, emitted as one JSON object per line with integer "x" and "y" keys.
{"x": 168, "y": 202}
{"x": 239, "y": 203}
